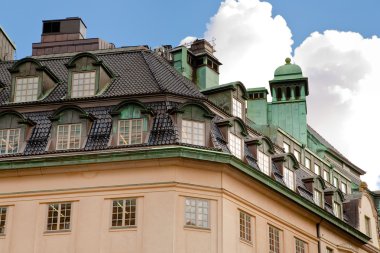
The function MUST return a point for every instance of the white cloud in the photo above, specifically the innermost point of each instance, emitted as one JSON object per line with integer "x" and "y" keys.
{"x": 187, "y": 41}
{"x": 341, "y": 67}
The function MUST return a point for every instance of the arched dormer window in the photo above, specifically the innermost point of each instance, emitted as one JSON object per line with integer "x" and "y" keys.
{"x": 334, "y": 199}
{"x": 316, "y": 185}
{"x": 194, "y": 120}
{"x": 14, "y": 129}
{"x": 88, "y": 76}
{"x": 287, "y": 164}
{"x": 31, "y": 81}
{"x": 70, "y": 128}
{"x": 262, "y": 148}
{"x": 131, "y": 121}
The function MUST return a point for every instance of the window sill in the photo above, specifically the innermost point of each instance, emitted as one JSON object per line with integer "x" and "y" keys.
{"x": 249, "y": 243}
{"x": 125, "y": 228}
{"x": 195, "y": 228}
{"x": 57, "y": 232}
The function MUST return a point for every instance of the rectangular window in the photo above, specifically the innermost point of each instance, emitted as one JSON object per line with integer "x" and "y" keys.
{"x": 264, "y": 162}
{"x": 245, "y": 227}
{"x": 236, "y": 108}
{"x": 193, "y": 132}
{"x": 130, "y": 131}
{"x": 337, "y": 209}
{"x": 9, "y": 141}
{"x": 83, "y": 84}
{"x": 289, "y": 178}
{"x": 318, "y": 198}
{"x": 297, "y": 154}
{"x": 235, "y": 145}
{"x": 197, "y": 212}
{"x": 26, "y": 89}
{"x": 317, "y": 170}
{"x": 3, "y": 218}
{"x": 68, "y": 136}
{"x": 326, "y": 175}
{"x": 124, "y": 213}
{"x": 286, "y": 147}
{"x": 59, "y": 216}
{"x": 300, "y": 246}
{"x": 274, "y": 240}
{"x": 344, "y": 187}
{"x": 367, "y": 225}
{"x": 335, "y": 182}
{"x": 307, "y": 163}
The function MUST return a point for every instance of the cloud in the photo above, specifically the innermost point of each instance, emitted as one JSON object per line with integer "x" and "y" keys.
{"x": 342, "y": 69}
{"x": 249, "y": 41}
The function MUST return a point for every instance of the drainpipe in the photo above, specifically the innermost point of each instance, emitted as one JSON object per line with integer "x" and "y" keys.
{"x": 319, "y": 236}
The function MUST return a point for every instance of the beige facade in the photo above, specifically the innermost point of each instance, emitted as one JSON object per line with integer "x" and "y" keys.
{"x": 7, "y": 48}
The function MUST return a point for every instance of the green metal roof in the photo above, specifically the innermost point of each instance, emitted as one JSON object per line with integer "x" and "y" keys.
{"x": 288, "y": 71}
{"x": 257, "y": 89}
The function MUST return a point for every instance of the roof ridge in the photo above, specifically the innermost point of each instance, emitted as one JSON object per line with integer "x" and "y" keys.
{"x": 153, "y": 74}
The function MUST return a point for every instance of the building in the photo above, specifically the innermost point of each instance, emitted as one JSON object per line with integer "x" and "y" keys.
{"x": 131, "y": 150}
{"x": 7, "y": 47}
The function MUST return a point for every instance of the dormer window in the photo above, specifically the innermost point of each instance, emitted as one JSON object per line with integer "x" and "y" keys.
{"x": 289, "y": 178}
{"x": 337, "y": 209}
{"x": 263, "y": 162}
{"x": 9, "y": 141}
{"x": 235, "y": 145}
{"x": 236, "y": 108}
{"x": 193, "y": 132}
{"x": 68, "y": 136}
{"x": 344, "y": 187}
{"x": 26, "y": 89}
{"x": 83, "y": 84}
{"x": 286, "y": 147}
{"x": 318, "y": 197}
{"x": 130, "y": 131}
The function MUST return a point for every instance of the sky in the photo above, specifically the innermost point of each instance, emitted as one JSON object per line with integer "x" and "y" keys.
{"x": 335, "y": 42}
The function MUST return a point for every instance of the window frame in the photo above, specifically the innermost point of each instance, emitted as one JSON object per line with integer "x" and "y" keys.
{"x": 326, "y": 175}
{"x": 337, "y": 209}
{"x": 286, "y": 178}
{"x": 315, "y": 169}
{"x": 192, "y": 122}
{"x": 36, "y": 89}
{"x": 7, "y": 132}
{"x": 261, "y": 157}
{"x": 130, "y": 132}
{"x": 237, "y": 111}
{"x": 344, "y": 187}
{"x": 124, "y": 212}
{"x": 286, "y": 147}
{"x": 297, "y": 155}
{"x": 3, "y": 219}
{"x": 73, "y": 73}
{"x": 308, "y": 163}
{"x": 276, "y": 247}
{"x": 47, "y": 230}
{"x": 68, "y": 147}
{"x": 320, "y": 199}
{"x": 300, "y": 246}
{"x": 196, "y": 214}
{"x": 232, "y": 138}
{"x": 245, "y": 226}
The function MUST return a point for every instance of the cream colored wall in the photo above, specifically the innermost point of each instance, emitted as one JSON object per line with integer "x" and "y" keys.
{"x": 160, "y": 187}
{"x": 367, "y": 208}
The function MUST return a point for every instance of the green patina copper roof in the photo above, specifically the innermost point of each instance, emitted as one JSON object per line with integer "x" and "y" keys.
{"x": 288, "y": 71}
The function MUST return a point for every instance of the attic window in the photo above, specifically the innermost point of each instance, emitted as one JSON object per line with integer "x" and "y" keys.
{"x": 236, "y": 108}
{"x": 337, "y": 209}
{"x": 26, "y": 89}
{"x": 263, "y": 162}
{"x": 318, "y": 198}
{"x": 52, "y": 27}
{"x": 235, "y": 145}
{"x": 69, "y": 136}
{"x": 289, "y": 178}
{"x": 9, "y": 141}
{"x": 83, "y": 84}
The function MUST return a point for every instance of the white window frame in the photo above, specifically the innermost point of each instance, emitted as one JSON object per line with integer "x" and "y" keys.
{"x": 59, "y": 216}
{"x": 69, "y": 143}
{"x": 326, "y": 175}
{"x": 317, "y": 169}
{"x": 301, "y": 246}
{"x": 289, "y": 178}
{"x": 274, "y": 239}
{"x": 3, "y": 219}
{"x": 344, "y": 187}
{"x": 335, "y": 182}
{"x": 307, "y": 163}
{"x": 194, "y": 137}
{"x": 235, "y": 144}
{"x": 5, "y": 141}
{"x": 81, "y": 78}
{"x": 126, "y": 216}
{"x": 297, "y": 155}
{"x": 30, "y": 93}
{"x": 317, "y": 196}
{"x": 245, "y": 226}
{"x": 197, "y": 212}
{"x": 237, "y": 108}
{"x": 130, "y": 122}
{"x": 263, "y": 161}
{"x": 286, "y": 147}
{"x": 337, "y": 209}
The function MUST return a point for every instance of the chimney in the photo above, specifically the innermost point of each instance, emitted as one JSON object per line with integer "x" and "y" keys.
{"x": 66, "y": 36}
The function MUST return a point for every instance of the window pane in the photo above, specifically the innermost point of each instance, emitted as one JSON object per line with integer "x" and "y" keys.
{"x": 307, "y": 163}
{"x": 318, "y": 198}
{"x": 193, "y": 132}
{"x": 286, "y": 147}
{"x": 236, "y": 108}
{"x": 297, "y": 155}
{"x": 264, "y": 162}
{"x": 59, "y": 215}
{"x": 9, "y": 141}
{"x": 317, "y": 169}
{"x": 3, "y": 217}
{"x": 300, "y": 246}
{"x": 83, "y": 84}
{"x": 274, "y": 240}
{"x": 196, "y": 212}
{"x": 130, "y": 131}
{"x": 123, "y": 213}
{"x": 26, "y": 89}
{"x": 68, "y": 136}
{"x": 289, "y": 178}
{"x": 235, "y": 145}
{"x": 245, "y": 226}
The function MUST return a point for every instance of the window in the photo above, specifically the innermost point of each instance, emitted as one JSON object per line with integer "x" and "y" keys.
{"x": 335, "y": 182}
{"x": 124, "y": 213}
{"x": 245, "y": 227}
{"x": 344, "y": 187}
{"x": 3, "y": 217}
{"x": 318, "y": 198}
{"x": 298, "y": 93}
{"x": 317, "y": 170}
{"x": 130, "y": 131}
{"x": 337, "y": 209}
{"x": 235, "y": 145}
{"x": 286, "y": 147}
{"x": 196, "y": 212}
{"x": 279, "y": 94}
{"x": 9, "y": 141}
{"x": 68, "y": 136}
{"x": 326, "y": 175}
{"x": 289, "y": 178}
{"x": 307, "y": 163}
{"x": 193, "y": 132}
{"x": 26, "y": 89}
{"x": 274, "y": 240}
{"x": 367, "y": 221}
{"x": 288, "y": 93}
{"x": 59, "y": 215}
{"x": 264, "y": 162}
{"x": 328, "y": 250}
{"x": 236, "y": 108}
{"x": 300, "y": 246}
{"x": 83, "y": 84}
{"x": 297, "y": 154}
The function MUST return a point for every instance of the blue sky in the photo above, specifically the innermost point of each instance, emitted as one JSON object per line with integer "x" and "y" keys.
{"x": 153, "y": 22}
